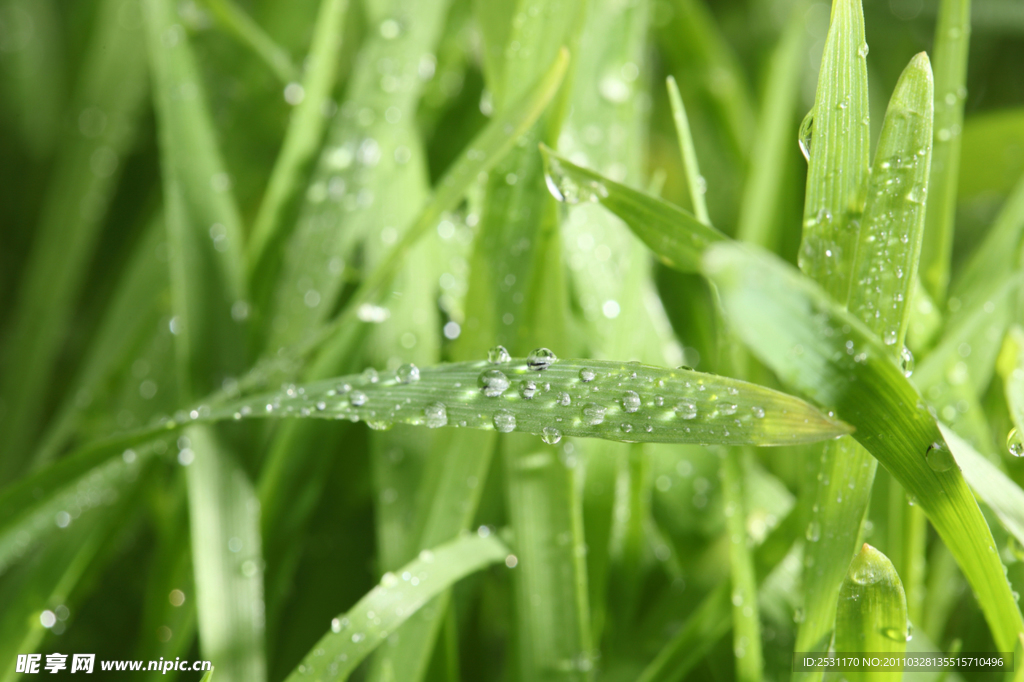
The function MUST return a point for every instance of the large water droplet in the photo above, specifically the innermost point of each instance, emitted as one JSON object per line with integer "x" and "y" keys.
{"x": 939, "y": 457}
{"x": 357, "y": 398}
{"x": 540, "y": 359}
{"x": 504, "y": 421}
{"x": 527, "y": 389}
{"x": 1014, "y": 443}
{"x": 498, "y": 355}
{"x": 563, "y": 399}
{"x": 370, "y": 375}
{"x": 592, "y": 414}
{"x": 408, "y": 373}
{"x": 436, "y": 415}
{"x": 631, "y": 401}
{"x": 493, "y": 383}
{"x": 686, "y": 409}
{"x": 907, "y": 362}
{"x": 567, "y": 189}
{"x": 587, "y": 375}
{"x": 550, "y": 435}
{"x": 806, "y": 132}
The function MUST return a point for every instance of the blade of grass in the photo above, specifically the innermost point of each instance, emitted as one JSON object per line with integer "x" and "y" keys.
{"x": 773, "y": 136}
{"x": 674, "y": 235}
{"x": 234, "y": 19}
{"x": 866, "y": 388}
{"x": 952, "y": 38}
{"x": 872, "y": 613}
{"x": 301, "y": 143}
{"x": 694, "y": 180}
{"x": 112, "y": 88}
{"x": 836, "y": 135}
{"x": 355, "y": 634}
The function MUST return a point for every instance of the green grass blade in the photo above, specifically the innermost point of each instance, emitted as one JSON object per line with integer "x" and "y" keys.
{"x": 694, "y": 180}
{"x": 872, "y": 613}
{"x": 355, "y": 634}
{"x": 991, "y": 485}
{"x": 109, "y": 98}
{"x": 302, "y": 139}
{"x": 773, "y": 140}
{"x": 234, "y": 19}
{"x": 952, "y": 37}
{"x": 837, "y": 134}
{"x": 865, "y": 386}
{"x": 674, "y": 235}
{"x": 626, "y": 402}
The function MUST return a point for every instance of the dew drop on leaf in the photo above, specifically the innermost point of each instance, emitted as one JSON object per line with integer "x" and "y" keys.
{"x": 939, "y": 457}
{"x": 564, "y": 399}
{"x": 498, "y": 355}
{"x": 1014, "y": 443}
{"x": 504, "y": 421}
{"x": 357, "y": 398}
{"x": 907, "y": 362}
{"x": 806, "y": 132}
{"x": 540, "y": 359}
{"x": 370, "y": 375}
{"x": 592, "y": 414}
{"x": 686, "y": 409}
{"x": 436, "y": 415}
{"x": 527, "y": 389}
{"x": 587, "y": 375}
{"x": 408, "y": 373}
{"x": 631, "y": 401}
{"x": 493, "y": 383}
{"x": 550, "y": 435}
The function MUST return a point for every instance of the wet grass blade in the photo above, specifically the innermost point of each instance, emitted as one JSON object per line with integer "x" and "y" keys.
{"x": 952, "y": 38}
{"x": 694, "y": 180}
{"x": 866, "y": 388}
{"x": 355, "y": 634}
{"x": 872, "y": 613}
{"x": 302, "y": 138}
{"x": 624, "y": 402}
{"x": 111, "y": 92}
{"x": 675, "y": 236}
{"x": 234, "y": 19}
{"x": 745, "y": 610}
{"x": 835, "y": 136}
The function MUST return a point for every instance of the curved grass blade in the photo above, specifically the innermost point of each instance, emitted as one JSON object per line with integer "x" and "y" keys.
{"x": 626, "y": 402}
{"x": 835, "y": 136}
{"x": 355, "y": 634}
{"x": 952, "y": 38}
{"x": 872, "y": 613}
{"x": 302, "y": 138}
{"x": 694, "y": 180}
{"x": 832, "y": 357}
{"x": 111, "y": 91}
{"x": 249, "y": 33}
{"x": 674, "y": 235}
{"x": 989, "y": 483}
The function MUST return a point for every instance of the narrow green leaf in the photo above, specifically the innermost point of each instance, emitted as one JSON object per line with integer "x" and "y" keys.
{"x": 626, "y": 402}
{"x": 111, "y": 91}
{"x": 773, "y": 139}
{"x": 302, "y": 138}
{"x": 952, "y": 38}
{"x": 355, "y": 634}
{"x": 674, "y": 235}
{"x": 865, "y": 386}
{"x": 836, "y": 135}
{"x": 989, "y": 483}
{"x": 872, "y": 613}
{"x": 695, "y": 182}
{"x": 249, "y": 33}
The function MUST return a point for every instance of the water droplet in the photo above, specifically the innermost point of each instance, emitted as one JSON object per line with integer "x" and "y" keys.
{"x": 389, "y": 579}
{"x": 527, "y": 389}
{"x": 370, "y": 375}
{"x": 806, "y": 132}
{"x": 813, "y": 531}
{"x": 550, "y": 435}
{"x": 436, "y": 415}
{"x": 563, "y": 399}
{"x": 592, "y": 414}
{"x": 587, "y": 375}
{"x": 357, "y": 398}
{"x": 504, "y": 421}
{"x": 631, "y": 401}
{"x": 1014, "y": 443}
{"x": 907, "y": 362}
{"x": 727, "y": 409}
{"x": 862, "y": 51}
{"x": 895, "y": 634}
{"x": 939, "y": 457}
{"x": 408, "y": 373}
{"x": 758, "y": 411}
{"x": 568, "y": 190}
{"x": 686, "y": 409}
{"x": 493, "y": 383}
{"x": 498, "y": 355}
{"x": 540, "y": 359}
